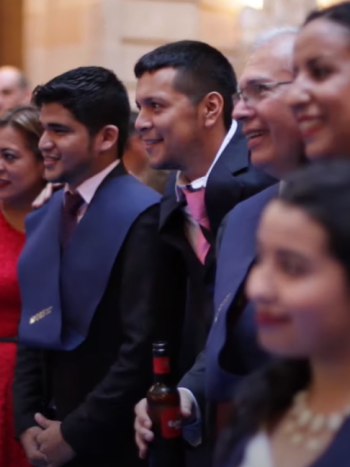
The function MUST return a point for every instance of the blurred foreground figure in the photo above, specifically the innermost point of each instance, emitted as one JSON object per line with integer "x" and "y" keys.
{"x": 14, "y": 88}
{"x": 295, "y": 412}
{"x": 136, "y": 162}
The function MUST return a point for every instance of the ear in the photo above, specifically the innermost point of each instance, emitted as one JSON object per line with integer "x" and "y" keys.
{"x": 213, "y": 106}
{"x": 108, "y": 138}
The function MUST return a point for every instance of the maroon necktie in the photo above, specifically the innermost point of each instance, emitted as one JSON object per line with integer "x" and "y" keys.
{"x": 196, "y": 206}
{"x": 72, "y": 203}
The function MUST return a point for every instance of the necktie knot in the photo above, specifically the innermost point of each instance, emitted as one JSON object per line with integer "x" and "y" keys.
{"x": 71, "y": 205}
{"x": 196, "y": 205}
{"x": 72, "y": 202}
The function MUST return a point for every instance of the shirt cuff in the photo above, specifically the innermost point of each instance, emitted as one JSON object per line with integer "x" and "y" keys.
{"x": 192, "y": 426}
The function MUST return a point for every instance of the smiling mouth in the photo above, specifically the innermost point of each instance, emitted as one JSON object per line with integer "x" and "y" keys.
{"x": 308, "y": 127}
{"x": 152, "y": 142}
{"x": 4, "y": 183}
{"x": 254, "y": 134}
{"x": 49, "y": 160}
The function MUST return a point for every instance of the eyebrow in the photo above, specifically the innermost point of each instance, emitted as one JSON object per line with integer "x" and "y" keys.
{"x": 148, "y": 100}
{"x": 55, "y": 126}
{"x": 285, "y": 252}
{"x": 256, "y": 80}
{"x": 8, "y": 149}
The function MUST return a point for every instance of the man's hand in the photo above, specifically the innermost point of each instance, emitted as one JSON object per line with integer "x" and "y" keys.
{"x": 143, "y": 424}
{"x": 31, "y": 447}
{"x": 52, "y": 445}
{"x": 45, "y": 195}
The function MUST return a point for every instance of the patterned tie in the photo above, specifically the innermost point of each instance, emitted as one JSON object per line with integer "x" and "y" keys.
{"x": 72, "y": 203}
{"x": 196, "y": 206}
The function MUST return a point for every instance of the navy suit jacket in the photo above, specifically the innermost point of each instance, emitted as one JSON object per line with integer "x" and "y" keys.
{"x": 336, "y": 455}
{"x": 232, "y": 350}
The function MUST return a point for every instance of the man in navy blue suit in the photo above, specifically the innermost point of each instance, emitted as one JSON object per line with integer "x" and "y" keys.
{"x": 93, "y": 292}
{"x": 275, "y": 146}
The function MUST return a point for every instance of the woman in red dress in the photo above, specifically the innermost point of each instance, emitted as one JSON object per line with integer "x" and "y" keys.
{"x": 21, "y": 180}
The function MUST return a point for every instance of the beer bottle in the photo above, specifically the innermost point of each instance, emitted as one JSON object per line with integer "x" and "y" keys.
{"x": 167, "y": 448}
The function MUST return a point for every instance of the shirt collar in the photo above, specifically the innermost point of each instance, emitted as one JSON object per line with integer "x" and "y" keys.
{"x": 89, "y": 187}
{"x": 202, "y": 182}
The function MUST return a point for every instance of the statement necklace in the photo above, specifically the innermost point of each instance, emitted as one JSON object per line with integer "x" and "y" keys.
{"x": 305, "y": 428}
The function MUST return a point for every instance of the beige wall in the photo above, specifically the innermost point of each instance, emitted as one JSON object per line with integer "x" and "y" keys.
{"x": 63, "y": 34}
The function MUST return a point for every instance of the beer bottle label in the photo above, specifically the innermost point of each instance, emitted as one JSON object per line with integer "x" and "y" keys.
{"x": 161, "y": 365}
{"x": 171, "y": 423}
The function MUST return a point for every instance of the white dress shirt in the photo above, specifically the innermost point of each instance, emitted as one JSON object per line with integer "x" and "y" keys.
{"x": 191, "y": 226}
{"x": 89, "y": 187}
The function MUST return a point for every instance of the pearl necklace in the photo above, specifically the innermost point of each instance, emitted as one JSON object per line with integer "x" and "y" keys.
{"x": 306, "y": 427}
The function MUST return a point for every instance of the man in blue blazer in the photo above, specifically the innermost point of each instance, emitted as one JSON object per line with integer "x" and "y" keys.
{"x": 93, "y": 290}
{"x": 273, "y": 138}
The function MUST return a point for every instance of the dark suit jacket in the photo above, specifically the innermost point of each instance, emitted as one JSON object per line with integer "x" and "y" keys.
{"x": 336, "y": 455}
{"x": 232, "y": 350}
{"x": 232, "y": 180}
{"x": 95, "y": 386}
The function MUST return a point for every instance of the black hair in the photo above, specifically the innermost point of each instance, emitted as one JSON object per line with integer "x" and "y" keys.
{"x": 94, "y": 95}
{"x": 339, "y": 13}
{"x": 132, "y": 121}
{"x": 201, "y": 69}
{"x": 322, "y": 191}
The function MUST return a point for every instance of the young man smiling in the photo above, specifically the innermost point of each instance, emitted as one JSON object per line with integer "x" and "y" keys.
{"x": 185, "y": 96}
{"x": 85, "y": 331}
{"x": 184, "y": 93}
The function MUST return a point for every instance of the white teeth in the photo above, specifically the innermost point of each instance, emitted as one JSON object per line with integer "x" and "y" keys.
{"x": 307, "y": 125}
{"x": 255, "y": 134}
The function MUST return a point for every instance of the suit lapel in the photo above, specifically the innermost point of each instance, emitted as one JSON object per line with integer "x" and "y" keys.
{"x": 237, "y": 253}
{"x": 237, "y": 250}
{"x": 223, "y": 190}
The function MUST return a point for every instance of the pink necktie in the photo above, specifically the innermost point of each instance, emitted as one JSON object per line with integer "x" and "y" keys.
{"x": 196, "y": 206}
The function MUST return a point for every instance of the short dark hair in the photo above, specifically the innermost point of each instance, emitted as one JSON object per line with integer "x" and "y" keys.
{"x": 201, "y": 69}
{"x": 339, "y": 13}
{"x": 94, "y": 95}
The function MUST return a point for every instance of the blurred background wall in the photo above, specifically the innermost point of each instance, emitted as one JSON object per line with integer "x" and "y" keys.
{"x": 47, "y": 37}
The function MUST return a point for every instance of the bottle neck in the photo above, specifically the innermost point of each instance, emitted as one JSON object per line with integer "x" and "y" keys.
{"x": 161, "y": 369}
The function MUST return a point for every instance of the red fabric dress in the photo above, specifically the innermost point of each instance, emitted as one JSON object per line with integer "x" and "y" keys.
{"x": 11, "y": 244}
